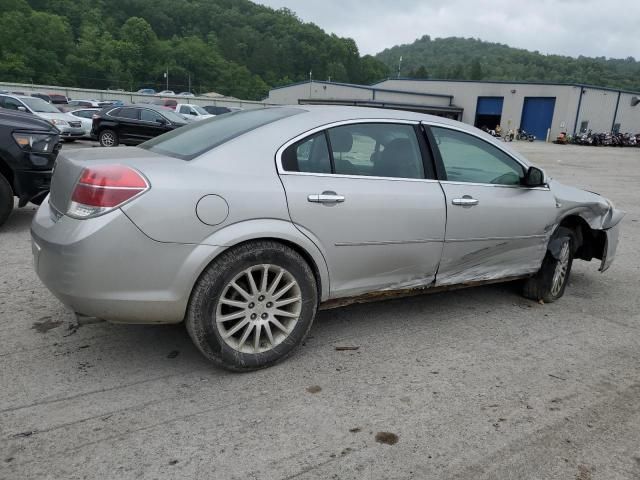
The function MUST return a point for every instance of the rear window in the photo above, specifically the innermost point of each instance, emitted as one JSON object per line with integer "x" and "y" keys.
{"x": 197, "y": 138}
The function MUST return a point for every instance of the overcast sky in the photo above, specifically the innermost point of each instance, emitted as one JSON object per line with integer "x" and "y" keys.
{"x": 569, "y": 27}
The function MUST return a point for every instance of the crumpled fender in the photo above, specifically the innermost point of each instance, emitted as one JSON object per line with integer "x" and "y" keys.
{"x": 596, "y": 210}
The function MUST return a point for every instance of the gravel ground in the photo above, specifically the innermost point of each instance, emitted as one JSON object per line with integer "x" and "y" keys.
{"x": 478, "y": 383}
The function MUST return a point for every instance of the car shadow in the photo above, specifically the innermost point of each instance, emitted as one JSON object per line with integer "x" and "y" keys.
{"x": 169, "y": 346}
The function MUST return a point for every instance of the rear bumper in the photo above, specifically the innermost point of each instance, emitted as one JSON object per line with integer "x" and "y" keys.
{"x": 107, "y": 268}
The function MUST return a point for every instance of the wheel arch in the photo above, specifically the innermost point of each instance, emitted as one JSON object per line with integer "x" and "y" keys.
{"x": 7, "y": 173}
{"x": 278, "y": 231}
{"x": 590, "y": 243}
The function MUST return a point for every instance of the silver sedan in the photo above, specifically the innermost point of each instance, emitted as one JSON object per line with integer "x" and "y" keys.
{"x": 244, "y": 225}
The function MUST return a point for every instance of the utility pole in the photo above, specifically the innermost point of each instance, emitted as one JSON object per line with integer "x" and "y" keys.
{"x": 189, "y": 82}
{"x": 166, "y": 76}
{"x": 310, "y": 83}
{"x": 399, "y": 66}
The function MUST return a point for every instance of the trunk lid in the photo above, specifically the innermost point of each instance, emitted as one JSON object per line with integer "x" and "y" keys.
{"x": 70, "y": 164}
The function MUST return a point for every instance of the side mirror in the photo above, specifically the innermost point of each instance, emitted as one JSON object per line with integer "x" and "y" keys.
{"x": 22, "y": 109}
{"x": 534, "y": 177}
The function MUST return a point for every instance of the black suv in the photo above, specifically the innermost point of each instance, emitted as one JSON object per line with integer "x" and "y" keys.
{"x": 133, "y": 124}
{"x": 29, "y": 146}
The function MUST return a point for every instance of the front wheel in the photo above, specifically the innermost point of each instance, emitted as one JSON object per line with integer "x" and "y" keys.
{"x": 252, "y": 306}
{"x": 6, "y": 199}
{"x": 551, "y": 280}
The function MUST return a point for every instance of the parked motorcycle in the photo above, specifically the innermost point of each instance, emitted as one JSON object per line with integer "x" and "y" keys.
{"x": 523, "y": 135}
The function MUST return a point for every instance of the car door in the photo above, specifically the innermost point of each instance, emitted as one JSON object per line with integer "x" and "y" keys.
{"x": 366, "y": 194}
{"x": 152, "y": 123}
{"x": 496, "y": 227}
{"x": 129, "y": 125}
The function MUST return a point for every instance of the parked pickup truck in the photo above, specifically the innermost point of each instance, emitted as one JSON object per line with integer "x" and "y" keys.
{"x": 29, "y": 146}
{"x": 193, "y": 112}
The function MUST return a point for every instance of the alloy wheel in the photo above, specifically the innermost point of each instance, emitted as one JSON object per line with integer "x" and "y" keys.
{"x": 258, "y": 309}
{"x": 562, "y": 266}
{"x": 107, "y": 139}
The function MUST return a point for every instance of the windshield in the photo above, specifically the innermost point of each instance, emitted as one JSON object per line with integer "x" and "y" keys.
{"x": 38, "y": 105}
{"x": 200, "y": 110}
{"x": 197, "y": 138}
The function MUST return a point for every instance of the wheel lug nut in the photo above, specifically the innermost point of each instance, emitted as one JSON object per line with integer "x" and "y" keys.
{"x": 253, "y": 316}
{"x": 251, "y": 305}
{"x": 269, "y": 305}
{"x": 265, "y": 316}
{"x": 261, "y": 298}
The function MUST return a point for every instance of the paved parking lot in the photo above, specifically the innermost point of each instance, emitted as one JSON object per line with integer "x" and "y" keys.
{"x": 478, "y": 383}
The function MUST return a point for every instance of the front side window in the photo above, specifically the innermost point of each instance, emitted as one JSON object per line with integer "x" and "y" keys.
{"x": 184, "y": 109}
{"x": 467, "y": 158}
{"x": 147, "y": 115}
{"x": 11, "y": 103}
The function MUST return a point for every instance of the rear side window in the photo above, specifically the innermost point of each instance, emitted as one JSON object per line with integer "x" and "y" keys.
{"x": 131, "y": 113}
{"x": 362, "y": 149}
{"x": 310, "y": 155}
{"x": 197, "y": 138}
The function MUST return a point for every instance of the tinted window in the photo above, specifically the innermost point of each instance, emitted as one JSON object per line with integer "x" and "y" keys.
{"x": 147, "y": 115}
{"x": 11, "y": 103}
{"x": 310, "y": 155}
{"x": 380, "y": 150}
{"x": 467, "y": 158}
{"x": 131, "y": 113}
{"x": 200, "y": 137}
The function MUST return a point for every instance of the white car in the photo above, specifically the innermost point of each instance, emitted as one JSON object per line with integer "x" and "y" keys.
{"x": 166, "y": 92}
{"x": 70, "y": 127}
{"x": 85, "y": 115}
{"x": 193, "y": 112}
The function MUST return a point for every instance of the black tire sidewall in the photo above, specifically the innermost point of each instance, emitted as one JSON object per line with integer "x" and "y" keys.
{"x": 6, "y": 199}
{"x": 209, "y": 289}
{"x": 549, "y": 266}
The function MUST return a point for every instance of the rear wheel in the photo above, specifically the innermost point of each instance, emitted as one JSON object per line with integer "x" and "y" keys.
{"x": 108, "y": 138}
{"x": 551, "y": 280}
{"x": 252, "y": 306}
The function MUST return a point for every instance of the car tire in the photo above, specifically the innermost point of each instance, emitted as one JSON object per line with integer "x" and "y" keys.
{"x": 6, "y": 199}
{"x": 549, "y": 283}
{"x": 108, "y": 138}
{"x": 224, "y": 321}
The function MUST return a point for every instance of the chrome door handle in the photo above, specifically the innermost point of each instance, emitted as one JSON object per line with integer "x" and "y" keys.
{"x": 326, "y": 197}
{"x": 465, "y": 201}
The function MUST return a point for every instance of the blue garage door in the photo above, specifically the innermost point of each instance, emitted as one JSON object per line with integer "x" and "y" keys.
{"x": 489, "y": 106}
{"x": 537, "y": 115}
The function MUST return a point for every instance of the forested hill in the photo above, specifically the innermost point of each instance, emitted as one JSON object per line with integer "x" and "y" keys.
{"x": 234, "y": 47}
{"x": 472, "y": 59}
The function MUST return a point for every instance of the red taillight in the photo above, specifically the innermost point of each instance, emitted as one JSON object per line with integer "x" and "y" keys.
{"x": 103, "y": 188}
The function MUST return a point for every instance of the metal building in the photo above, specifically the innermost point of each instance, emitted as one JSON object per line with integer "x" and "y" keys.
{"x": 539, "y": 108}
